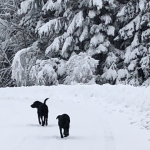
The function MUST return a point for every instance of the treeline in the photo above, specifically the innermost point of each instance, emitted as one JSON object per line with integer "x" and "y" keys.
{"x": 50, "y": 42}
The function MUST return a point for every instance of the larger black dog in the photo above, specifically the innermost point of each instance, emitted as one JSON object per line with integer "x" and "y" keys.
{"x": 64, "y": 123}
{"x": 42, "y": 111}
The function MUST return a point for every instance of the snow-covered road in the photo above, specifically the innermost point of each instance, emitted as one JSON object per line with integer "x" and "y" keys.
{"x": 98, "y": 120}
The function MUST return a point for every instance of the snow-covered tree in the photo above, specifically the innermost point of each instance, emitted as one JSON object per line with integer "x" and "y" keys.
{"x": 43, "y": 73}
{"x": 23, "y": 63}
{"x": 8, "y": 43}
{"x": 102, "y": 41}
{"x": 133, "y": 37}
{"x": 65, "y": 29}
{"x": 80, "y": 68}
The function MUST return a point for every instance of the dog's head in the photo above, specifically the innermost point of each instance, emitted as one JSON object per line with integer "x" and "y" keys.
{"x": 36, "y": 104}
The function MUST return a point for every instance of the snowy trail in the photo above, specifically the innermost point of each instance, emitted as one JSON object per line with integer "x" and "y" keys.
{"x": 23, "y": 132}
{"x": 95, "y": 125}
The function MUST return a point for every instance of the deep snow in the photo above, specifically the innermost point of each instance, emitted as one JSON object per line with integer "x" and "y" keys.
{"x": 102, "y": 118}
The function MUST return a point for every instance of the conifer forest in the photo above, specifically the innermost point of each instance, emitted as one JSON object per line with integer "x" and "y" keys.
{"x": 51, "y": 42}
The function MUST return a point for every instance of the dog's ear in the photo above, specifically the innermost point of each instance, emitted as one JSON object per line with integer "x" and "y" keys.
{"x": 58, "y": 117}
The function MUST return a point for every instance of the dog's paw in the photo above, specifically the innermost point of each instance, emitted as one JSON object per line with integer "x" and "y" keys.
{"x": 61, "y": 136}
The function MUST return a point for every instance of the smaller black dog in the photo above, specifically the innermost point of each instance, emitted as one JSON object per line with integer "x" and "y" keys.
{"x": 42, "y": 111}
{"x": 64, "y": 123}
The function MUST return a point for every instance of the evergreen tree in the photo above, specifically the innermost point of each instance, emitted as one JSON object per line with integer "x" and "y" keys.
{"x": 67, "y": 30}
{"x": 50, "y": 42}
{"x": 9, "y": 44}
{"x": 133, "y": 37}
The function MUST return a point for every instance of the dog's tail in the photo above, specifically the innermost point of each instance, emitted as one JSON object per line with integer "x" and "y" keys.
{"x": 45, "y": 100}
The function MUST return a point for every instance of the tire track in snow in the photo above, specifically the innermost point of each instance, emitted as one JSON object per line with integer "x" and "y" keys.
{"x": 109, "y": 137}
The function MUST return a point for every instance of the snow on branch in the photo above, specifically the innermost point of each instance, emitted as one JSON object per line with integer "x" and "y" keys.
{"x": 110, "y": 74}
{"x": 130, "y": 54}
{"x": 67, "y": 43}
{"x": 145, "y": 19}
{"x": 111, "y": 30}
{"x": 128, "y": 31}
{"x": 76, "y": 22}
{"x": 84, "y": 34}
{"x": 52, "y": 26}
{"x": 54, "y": 47}
{"x": 121, "y": 12}
{"x": 25, "y": 6}
{"x": 142, "y": 4}
{"x": 43, "y": 73}
{"x": 97, "y": 39}
{"x": 107, "y": 19}
{"x": 145, "y": 63}
{"x": 50, "y": 5}
{"x": 122, "y": 76}
{"x": 22, "y": 63}
{"x": 80, "y": 69}
{"x": 145, "y": 35}
{"x": 98, "y": 3}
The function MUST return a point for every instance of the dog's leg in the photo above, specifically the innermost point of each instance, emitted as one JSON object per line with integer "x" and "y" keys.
{"x": 46, "y": 121}
{"x": 43, "y": 120}
{"x": 61, "y": 132}
{"x": 39, "y": 119}
{"x": 66, "y": 132}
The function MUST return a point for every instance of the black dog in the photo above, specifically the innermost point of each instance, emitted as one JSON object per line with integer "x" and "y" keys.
{"x": 64, "y": 123}
{"x": 42, "y": 111}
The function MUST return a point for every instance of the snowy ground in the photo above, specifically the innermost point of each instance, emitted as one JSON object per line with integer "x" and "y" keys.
{"x": 102, "y": 118}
